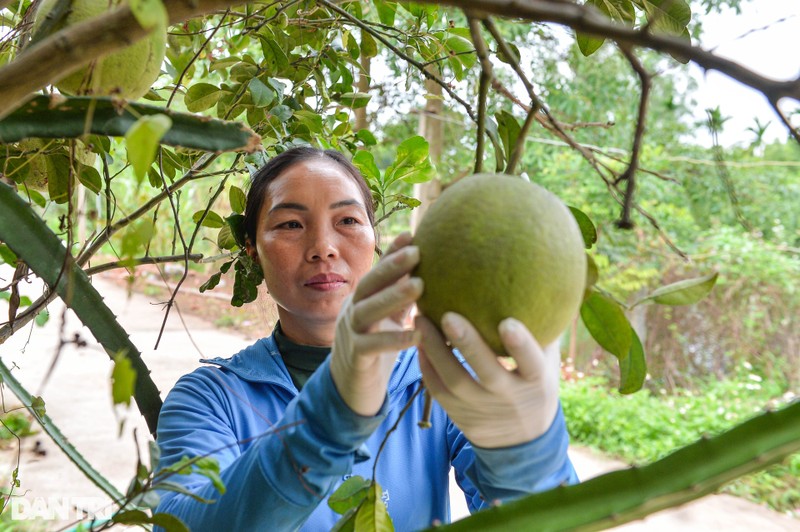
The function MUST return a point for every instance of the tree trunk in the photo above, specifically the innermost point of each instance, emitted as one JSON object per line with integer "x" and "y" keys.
{"x": 430, "y": 127}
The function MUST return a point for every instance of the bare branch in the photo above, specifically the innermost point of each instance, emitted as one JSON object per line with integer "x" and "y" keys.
{"x": 588, "y": 20}
{"x": 519, "y": 147}
{"x": 483, "y": 89}
{"x": 629, "y": 175}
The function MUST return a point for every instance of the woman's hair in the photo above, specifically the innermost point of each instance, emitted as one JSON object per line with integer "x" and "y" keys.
{"x": 278, "y": 164}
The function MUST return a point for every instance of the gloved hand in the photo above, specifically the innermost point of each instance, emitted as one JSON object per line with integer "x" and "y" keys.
{"x": 369, "y": 328}
{"x": 498, "y": 408}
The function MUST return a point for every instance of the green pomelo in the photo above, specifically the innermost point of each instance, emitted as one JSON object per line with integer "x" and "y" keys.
{"x": 128, "y": 73}
{"x": 497, "y": 246}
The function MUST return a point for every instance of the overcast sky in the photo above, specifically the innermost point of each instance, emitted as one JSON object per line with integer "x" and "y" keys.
{"x": 771, "y": 52}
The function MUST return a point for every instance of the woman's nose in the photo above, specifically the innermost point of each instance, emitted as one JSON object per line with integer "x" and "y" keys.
{"x": 321, "y": 245}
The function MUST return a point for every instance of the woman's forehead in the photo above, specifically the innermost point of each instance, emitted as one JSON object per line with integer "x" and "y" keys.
{"x": 313, "y": 178}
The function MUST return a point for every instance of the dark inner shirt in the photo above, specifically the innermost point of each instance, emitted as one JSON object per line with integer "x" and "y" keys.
{"x": 300, "y": 360}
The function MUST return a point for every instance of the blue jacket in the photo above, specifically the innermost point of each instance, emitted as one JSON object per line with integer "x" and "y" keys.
{"x": 282, "y": 452}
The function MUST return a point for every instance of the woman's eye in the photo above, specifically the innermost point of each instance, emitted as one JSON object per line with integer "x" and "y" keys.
{"x": 290, "y": 225}
{"x": 350, "y": 221}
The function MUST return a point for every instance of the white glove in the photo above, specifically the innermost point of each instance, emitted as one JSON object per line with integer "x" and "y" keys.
{"x": 369, "y": 328}
{"x": 499, "y": 408}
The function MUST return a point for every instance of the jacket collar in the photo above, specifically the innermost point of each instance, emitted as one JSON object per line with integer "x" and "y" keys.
{"x": 262, "y": 362}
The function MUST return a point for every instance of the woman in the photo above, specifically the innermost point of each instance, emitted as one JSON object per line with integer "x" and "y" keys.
{"x": 293, "y": 415}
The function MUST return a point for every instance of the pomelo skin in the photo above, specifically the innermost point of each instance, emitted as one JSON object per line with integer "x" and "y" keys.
{"x": 128, "y": 73}
{"x": 495, "y": 246}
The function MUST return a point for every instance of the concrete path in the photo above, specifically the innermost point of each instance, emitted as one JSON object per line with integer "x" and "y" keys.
{"x": 77, "y": 396}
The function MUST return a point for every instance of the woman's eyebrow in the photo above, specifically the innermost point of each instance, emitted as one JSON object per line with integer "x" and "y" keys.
{"x": 288, "y": 205}
{"x": 346, "y": 203}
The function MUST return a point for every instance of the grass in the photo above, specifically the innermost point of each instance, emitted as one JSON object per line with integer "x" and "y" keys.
{"x": 646, "y": 426}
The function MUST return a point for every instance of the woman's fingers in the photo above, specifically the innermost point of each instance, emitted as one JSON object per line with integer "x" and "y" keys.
{"x": 480, "y": 357}
{"x": 523, "y": 347}
{"x": 402, "y": 240}
{"x": 387, "y": 271}
{"x": 392, "y": 300}
{"x": 452, "y": 376}
{"x": 386, "y": 341}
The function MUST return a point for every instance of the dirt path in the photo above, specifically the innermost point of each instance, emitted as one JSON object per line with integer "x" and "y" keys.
{"x": 78, "y": 398}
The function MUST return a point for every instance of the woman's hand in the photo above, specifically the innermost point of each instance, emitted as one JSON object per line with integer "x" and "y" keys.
{"x": 497, "y": 407}
{"x": 369, "y": 329}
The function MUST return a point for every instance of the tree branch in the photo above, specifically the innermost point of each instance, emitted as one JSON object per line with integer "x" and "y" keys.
{"x": 630, "y": 173}
{"x": 483, "y": 89}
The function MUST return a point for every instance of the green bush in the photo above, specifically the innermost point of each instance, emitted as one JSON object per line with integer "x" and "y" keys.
{"x": 646, "y": 426}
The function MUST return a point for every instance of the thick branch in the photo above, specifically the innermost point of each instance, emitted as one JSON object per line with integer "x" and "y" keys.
{"x": 68, "y": 50}
{"x": 483, "y": 89}
{"x": 589, "y": 20}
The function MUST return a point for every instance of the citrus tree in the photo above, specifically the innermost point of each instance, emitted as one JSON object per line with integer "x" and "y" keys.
{"x": 111, "y": 161}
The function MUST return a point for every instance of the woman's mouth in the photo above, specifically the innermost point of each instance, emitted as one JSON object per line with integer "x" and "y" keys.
{"x": 325, "y": 282}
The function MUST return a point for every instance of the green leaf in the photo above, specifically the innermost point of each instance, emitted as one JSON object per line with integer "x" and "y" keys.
{"x": 246, "y": 280}
{"x": 136, "y": 238}
{"x": 461, "y": 49}
{"x": 366, "y": 137}
{"x": 8, "y": 256}
{"x": 201, "y": 96}
{"x": 354, "y": 100}
{"x": 617, "y": 10}
{"x": 686, "y": 292}
{"x": 514, "y": 51}
{"x": 58, "y": 178}
{"x": 347, "y": 523}
{"x": 372, "y": 514}
{"x": 142, "y": 141}
{"x": 90, "y": 178}
{"x": 262, "y": 95}
{"x": 123, "y": 380}
{"x": 168, "y": 522}
{"x": 42, "y": 318}
{"x": 37, "y": 404}
{"x": 209, "y": 468}
{"x": 237, "y": 198}
{"x": 150, "y": 14}
{"x": 180, "y": 488}
{"x": 349, "y": 494}
{"x": 130, "y": 517}
{"x": 369, "y": 48}
{"x": 211, "y": 219}
{"x": 412, "y": 164}
{"x": 508, "y": 129}
{"x": 365, "y": 162}
{"x": 606, "y": 322}
{"x": 281, "y": 112}
{"x": 632, "y": 368}
{"x": 386, "y": 11}
{"x": 212, "y": 282}
{"x": 586, "y": 226}
{"x": 236, "y": 223}
{"x": 591, "y": 275}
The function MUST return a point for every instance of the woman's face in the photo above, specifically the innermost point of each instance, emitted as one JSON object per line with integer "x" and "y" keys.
{"x": 314, "y": 242}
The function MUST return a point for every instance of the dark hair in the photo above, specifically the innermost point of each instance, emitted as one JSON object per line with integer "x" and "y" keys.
{"x": 278, "y": 164}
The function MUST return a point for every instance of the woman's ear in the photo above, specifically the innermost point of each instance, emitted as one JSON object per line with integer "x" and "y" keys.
{"x": 250, "y": 249}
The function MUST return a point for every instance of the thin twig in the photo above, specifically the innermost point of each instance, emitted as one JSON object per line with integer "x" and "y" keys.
{"x": 519, "y": 146}
{"x": 483, "y": 88}
{"x": 194, "y": 58}
{"x": 629, "y": 176}
{"x": 366, "y": 27}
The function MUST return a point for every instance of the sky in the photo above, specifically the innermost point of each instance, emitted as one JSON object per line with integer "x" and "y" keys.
{"x": 771, "y": 52}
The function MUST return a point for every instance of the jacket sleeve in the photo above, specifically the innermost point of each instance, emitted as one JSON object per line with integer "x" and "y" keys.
{"x": 488, "y": 475}
{"x": 282, "y": 477}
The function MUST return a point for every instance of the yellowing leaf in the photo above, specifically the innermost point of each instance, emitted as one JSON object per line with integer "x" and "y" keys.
{"x": 142, "y": 140}
{"x": 686, "y": 292}
{"x": 123, "y": 380}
